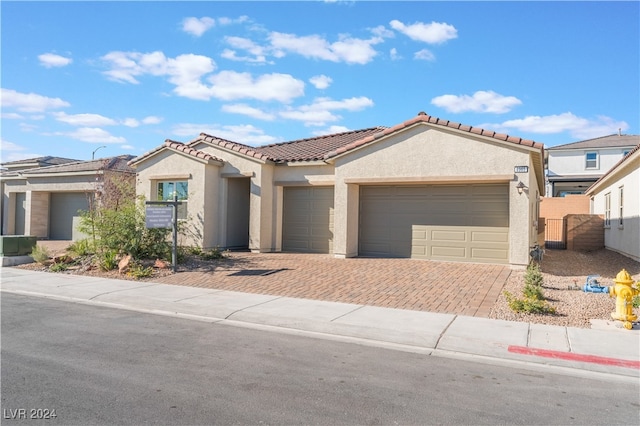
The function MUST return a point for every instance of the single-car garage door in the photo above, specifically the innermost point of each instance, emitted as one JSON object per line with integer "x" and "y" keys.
{"x": 441, "y": 222}
{"x": 308, "y": 220}
{"x": 63, "y": 206}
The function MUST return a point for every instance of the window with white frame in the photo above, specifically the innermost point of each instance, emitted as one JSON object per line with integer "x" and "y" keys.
{"x": 167, "y": 190}
{"x": 591, "y": 160}
{"x": 607, "y": 209}
{"x": 620, "y": 206}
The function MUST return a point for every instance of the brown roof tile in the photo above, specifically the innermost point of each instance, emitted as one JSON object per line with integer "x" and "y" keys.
{"x": 425, "y": 118}
{"x": 118, "y": 163}
{"x": 177, "y": 146}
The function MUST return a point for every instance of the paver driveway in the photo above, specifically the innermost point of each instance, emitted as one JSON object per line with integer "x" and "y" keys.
{"x": 445, "y": 287}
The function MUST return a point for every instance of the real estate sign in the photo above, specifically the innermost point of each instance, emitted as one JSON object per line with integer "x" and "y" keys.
{"x": 159, "y": 217}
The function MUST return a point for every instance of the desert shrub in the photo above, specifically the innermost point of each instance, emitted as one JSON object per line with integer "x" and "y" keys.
{"x": 117, "y": 224}
{"x": 82, "y": 248}
{"x": 40, "y": 254}
{"x": 58, "y": 267}
{"x": 108, "y": 260}
{"x": 530, "y": 305}
{"x": 212, "y": 254}
{"x": 533, "y": 301}
{"x": 138, "y": 271}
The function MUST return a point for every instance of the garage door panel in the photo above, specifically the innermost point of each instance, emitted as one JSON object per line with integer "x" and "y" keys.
{"x": 308, "y": 219}
{"x": 444, "y": 222}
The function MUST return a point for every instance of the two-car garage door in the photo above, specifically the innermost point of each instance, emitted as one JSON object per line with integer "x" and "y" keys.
{"x": 441, "y": 222}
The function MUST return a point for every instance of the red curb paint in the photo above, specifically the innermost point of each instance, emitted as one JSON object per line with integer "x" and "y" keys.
{"x": 575, "y": 357}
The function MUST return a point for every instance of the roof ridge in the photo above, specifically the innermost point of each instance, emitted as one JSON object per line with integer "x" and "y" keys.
{"x": 328, "y": 135}
{"x": 423, "y": 117}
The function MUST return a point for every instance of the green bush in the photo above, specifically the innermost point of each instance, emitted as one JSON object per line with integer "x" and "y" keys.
{"x": 118, "y": 224}
{"x": 58, "y": 267}
{"x": 212, "y": 254}
{"x": 108, "y": 260}
{"x": 137, "y": 271}
{"x": 40, "y": 254}
{"x": 533, "y": 301}
{"x": 82, "y": 247}
{"x": 530, "y": 305}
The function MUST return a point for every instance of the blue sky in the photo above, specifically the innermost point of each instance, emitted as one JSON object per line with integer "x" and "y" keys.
{"x": 77, "y": 76}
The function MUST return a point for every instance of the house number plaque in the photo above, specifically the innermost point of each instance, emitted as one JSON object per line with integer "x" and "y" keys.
{"x": 521, "y": 169}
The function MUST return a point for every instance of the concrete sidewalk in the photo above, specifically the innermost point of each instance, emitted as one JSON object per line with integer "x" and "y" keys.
{"x": 607, "y": 350}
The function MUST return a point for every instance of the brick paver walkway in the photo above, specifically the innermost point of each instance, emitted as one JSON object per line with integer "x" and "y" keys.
{"x": 444, "y": 287}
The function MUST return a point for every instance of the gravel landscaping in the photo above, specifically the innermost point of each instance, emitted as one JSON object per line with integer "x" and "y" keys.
{"x": 565, "y": 273}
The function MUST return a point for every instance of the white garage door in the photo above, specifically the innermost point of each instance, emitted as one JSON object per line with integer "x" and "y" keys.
{"x": 308, "y": 220}
{"x": 63, "y": 207}
{"x": 441, "y": 222}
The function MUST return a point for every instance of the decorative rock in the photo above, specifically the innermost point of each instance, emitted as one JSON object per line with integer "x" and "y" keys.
{"x": 161, "y": 264}
{"x": 123, "y": 265}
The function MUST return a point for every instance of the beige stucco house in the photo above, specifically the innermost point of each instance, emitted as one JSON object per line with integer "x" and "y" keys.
{"x": 426, "y": 188}
{"x": 616, "y": 196}
{"x": 42, "y": 197}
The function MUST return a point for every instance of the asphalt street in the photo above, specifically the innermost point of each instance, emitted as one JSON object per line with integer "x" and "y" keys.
{"x": 97, "y": 365}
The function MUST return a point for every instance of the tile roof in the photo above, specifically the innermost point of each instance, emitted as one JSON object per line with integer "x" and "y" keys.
{"x": 327, "y": 146}
{"x": 310, "y": 149}
{"x": 610, "y": 141}
{"x": 39, "y": 161}
{"x": 423, "y": 117}
{"x": 118, "y": 163}
{"x": 176, "y": 146}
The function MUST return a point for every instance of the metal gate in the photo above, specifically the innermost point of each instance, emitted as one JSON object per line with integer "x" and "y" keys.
{"x": 555, "y": 234}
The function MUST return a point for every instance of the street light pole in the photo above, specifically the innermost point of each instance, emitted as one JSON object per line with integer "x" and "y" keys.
{"x": 93, "y": 154}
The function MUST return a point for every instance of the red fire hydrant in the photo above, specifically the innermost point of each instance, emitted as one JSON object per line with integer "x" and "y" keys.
{"x": 624, "y": 293}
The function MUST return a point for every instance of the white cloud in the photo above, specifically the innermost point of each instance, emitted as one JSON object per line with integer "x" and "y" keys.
{"x": 93, "y": 135}
{"x": 480, "y": 101}
{"x": 424, "y": 55}
{"x": 321, "y": 81}
{"x": 127, "y": 147}
{"x": 231, "y": 85}
{"x": 30, "y": 102}
{"x": 258, "y": 52}
{"x": 347, "y": 49}
{"x": 50, "y": 60}
{"x": 11, "y": 116}
{"x": 130, "y": 122}
{"x": 152, "y": 119}
{"x": 578, "y": 127}
{"x": 197, "y": 26}
{"x": 184, "y": 71}
{"x": 84, "y": 120}
{"x": 246, "y": 134}
{"x": 394, "y": 55}
{"x": 249, "y": 111}
{"x": 319, "y": 113}
{"x": 10, "y": 151}
{"x": 331, "y": 130}
{"x": 433, "y": 33}
{"x": 187, "y": 71}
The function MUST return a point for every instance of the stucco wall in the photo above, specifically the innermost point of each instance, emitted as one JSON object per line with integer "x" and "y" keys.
{"x": 573, "y": 162}
{"x": 624, "y": 239}
{"x": 424, "y": 155}
{"x": 167, "y": 165}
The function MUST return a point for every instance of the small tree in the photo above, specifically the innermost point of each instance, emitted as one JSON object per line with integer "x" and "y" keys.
{"x": 116, "y": 222}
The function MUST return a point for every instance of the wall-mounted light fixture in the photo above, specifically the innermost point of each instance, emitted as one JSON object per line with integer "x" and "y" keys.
{"x": 521, "y": 187}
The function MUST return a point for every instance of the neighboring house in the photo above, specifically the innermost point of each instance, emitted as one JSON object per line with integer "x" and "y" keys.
{"x": 426, "y": 188}
{"x": 616, "y": 196}
{"x": 573, "y": 167}
{"x": 41, "y": 197}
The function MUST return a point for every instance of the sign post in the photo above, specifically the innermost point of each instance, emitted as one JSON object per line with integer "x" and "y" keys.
{"x": 164, "y": 214}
